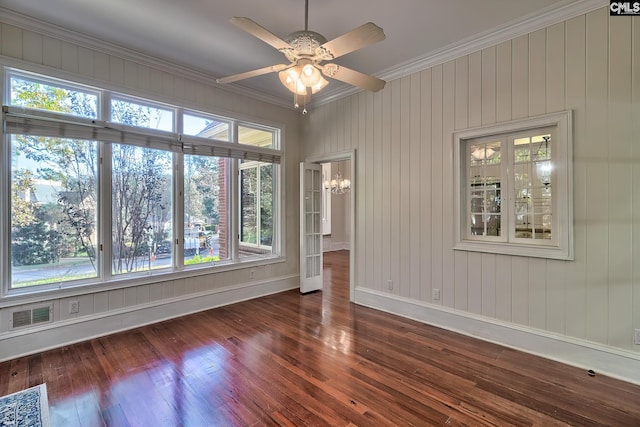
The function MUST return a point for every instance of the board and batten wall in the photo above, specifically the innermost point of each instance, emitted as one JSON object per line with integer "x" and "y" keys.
{"x": 61, "y": 54}
{"x": 581, "y": 312}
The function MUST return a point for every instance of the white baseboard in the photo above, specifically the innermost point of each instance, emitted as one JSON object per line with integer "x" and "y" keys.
{"x": 45, "y": 337}
{"x": 609, "y": 361}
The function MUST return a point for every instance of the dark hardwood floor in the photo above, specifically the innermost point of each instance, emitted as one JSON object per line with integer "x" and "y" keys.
{"x": 315, "y": 360}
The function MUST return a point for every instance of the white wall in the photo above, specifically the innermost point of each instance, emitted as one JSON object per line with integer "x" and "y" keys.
{"x": 404, "y": 230}
{"x": 65, "y": 55}
{"x": 340, "y": 237}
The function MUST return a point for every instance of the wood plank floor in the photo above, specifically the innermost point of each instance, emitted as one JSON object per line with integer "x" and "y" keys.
{"x": 312, "y": 360}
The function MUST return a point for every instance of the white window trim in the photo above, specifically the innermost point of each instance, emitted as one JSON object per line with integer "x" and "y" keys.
{"x": 563, "y": 247}
{"x": 166, "y": 141}
{"x": 259, "y": 245}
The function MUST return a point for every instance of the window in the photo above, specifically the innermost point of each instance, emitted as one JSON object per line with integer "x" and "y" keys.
{"x": 513, "y": 188}
{"x": 256, "y": 208}
{"x": 140, "y": 114}
{"x": 205, "y": 214}
{"x": 53, "y": 210}
{"x": 205, "y": 127}
{"x": 142, "y": 189}
{"x": 141, "y": 203}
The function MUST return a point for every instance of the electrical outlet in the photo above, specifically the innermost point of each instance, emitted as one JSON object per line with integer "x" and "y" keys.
{"x": 636, "y": 337}
{"x": 435, "y": 294}
{"x": 74, "y": 307}
{"x": 389, "y": 284}
{"x": 252, "y": 273}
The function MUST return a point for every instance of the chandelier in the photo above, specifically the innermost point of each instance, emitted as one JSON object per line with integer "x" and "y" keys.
{"x": 338, "y": 185}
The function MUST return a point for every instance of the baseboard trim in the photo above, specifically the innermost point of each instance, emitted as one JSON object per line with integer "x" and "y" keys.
{"x": 583, "y": 354}
{"x": 29, "y": 341}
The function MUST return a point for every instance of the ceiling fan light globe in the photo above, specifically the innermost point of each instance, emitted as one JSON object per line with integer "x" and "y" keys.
{"x": 320, "y": 85}
{"x": 310, "y": 76}
{"x": 290, "y": 79}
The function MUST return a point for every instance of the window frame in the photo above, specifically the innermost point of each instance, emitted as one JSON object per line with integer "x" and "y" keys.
{"x": 258, "y": 167}
{"x": 561, "y": 246}
{"x": 176, "y": 145}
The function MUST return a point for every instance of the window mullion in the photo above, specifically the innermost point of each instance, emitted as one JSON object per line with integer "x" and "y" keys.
{"x": 508, "y": 205}
{"x": 178, "y": 238}
{"x": 234, "y": 208}
{"x": 105, "y": 250}
{"x": 258, "y": 205}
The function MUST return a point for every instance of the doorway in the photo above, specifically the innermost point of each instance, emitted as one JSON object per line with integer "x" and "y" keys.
{"x": 346, "y": 161}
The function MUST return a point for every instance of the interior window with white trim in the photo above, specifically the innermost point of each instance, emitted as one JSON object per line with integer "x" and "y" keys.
{"x": 514, "y": 188}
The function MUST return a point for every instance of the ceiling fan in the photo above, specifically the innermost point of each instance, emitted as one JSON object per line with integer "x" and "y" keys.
{"x": 306, "y": 51}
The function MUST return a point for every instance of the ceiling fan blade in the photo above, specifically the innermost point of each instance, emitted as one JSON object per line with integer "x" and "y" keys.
{"x": 253, "y": 73}
{"x": 362, "y": 36}
{"x": 355, "y": 78}
{"x": 260, "y": 32}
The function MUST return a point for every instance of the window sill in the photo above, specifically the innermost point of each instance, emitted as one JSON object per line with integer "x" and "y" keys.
{"x": 29, "y": 296}
{"x": 514, "y": 249}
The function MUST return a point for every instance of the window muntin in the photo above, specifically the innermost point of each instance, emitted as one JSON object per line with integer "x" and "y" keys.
{"x": 31, "y": 92}
{"x": 513, "y": 188}
{"x": 54, "y": 207}
{"x": 153, "y": 248}
{"x": 206, "y": 127}
{"x": 141, "y": 114}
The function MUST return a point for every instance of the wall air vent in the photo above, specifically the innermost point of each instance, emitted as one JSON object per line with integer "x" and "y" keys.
{"x": 31, "y": 316}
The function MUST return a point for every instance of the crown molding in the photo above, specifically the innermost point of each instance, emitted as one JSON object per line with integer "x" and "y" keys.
{"x": 50, "y": 30}
{"x": 547, "y": 17}
{"x": 528, "y": 24}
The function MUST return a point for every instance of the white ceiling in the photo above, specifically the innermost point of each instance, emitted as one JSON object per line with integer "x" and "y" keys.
{"x": 197, "y": 34}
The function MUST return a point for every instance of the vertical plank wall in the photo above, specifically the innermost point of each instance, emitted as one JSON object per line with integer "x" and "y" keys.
{"x": 402, "y": 137}
{"x": 33, "y": 51}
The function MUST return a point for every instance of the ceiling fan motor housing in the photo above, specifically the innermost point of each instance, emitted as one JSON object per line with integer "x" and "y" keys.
{"x": 306, "y": 44}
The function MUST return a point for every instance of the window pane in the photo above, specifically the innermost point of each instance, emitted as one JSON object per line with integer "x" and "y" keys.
{"x": 266, "y": 205}
{"x": 249, "y": 206}
{"x": 141, "y": 208}
{"x": 205, "y": 127}
{"x": 49, "y": 97}
{"x": 205, "y": 215}
{"x": 256, "y": 198}
{"x": 53, "y": 210}
{"x": 255, "y": 137}
{"x": 533, "y": 186}
{"x": 484, "y": 188}
{"x": 485, "y": 225}
{"x": 141, "y": 115}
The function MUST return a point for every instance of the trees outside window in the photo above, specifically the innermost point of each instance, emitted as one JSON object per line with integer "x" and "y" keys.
{"x": 141, "y": 206}
{"x": 256, "y": 202}
{"x": 67, "y": 162}
{"x": 53, "y": 192}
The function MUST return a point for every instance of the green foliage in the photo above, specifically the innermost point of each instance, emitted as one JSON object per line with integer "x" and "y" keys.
{"x": 197, "y": 259}
{"x": 35, "y": 243}
{"x": 70, "y": 164}
{"x": 22, "y": 211}
{"x": 202, "y": 189}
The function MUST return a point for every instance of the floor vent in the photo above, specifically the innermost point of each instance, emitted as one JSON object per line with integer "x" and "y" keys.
{"x": 31, "y": 316}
